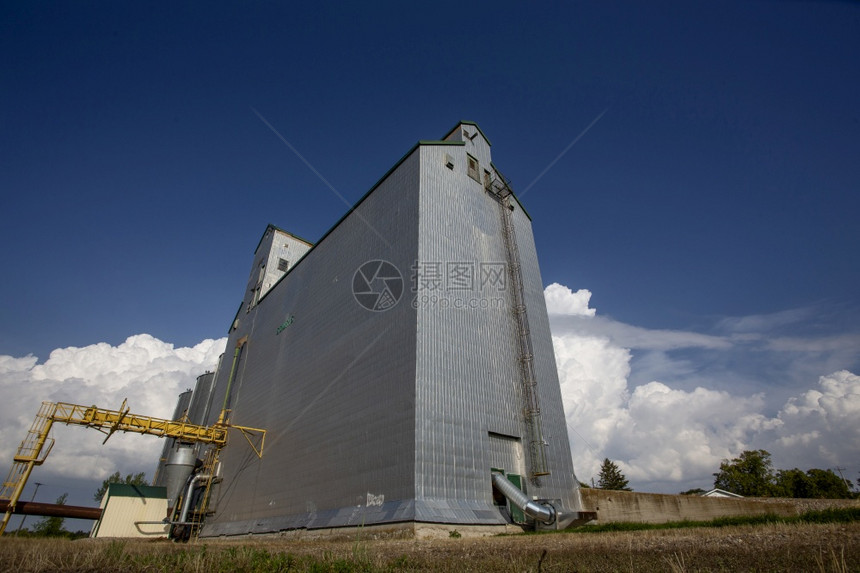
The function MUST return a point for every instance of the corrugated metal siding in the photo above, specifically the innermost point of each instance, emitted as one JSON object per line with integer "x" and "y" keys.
{"x": 465, "y": 355}
{"x": 201, "y": 399}
{"x": 286, "y": 247}
{"x": 182, "y": 405}
{"x": 335, "y": 388}
{"x": 507, "y": 453}
{"x": 468, "y": 377}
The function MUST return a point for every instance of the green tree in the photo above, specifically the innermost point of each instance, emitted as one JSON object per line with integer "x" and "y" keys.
{"x": 794, "y": 483}
{"x": 694, "y": 491}
{"x": 750, "y": 474}
{"x": 828, "y": 484}
{"x": 815, "y": 483}
{"x": 52, "y": 526}
{"x": 610, "y": 477}
{"x": 132, "y": 479}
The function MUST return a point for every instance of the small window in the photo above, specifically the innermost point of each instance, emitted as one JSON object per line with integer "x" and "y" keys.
{"x": 255, "y": 298}
{"x": 473, "y": 168}
{"x": 283, "y": 265}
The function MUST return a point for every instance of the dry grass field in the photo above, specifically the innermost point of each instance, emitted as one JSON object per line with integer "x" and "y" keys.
{"x": 771, "y": 547}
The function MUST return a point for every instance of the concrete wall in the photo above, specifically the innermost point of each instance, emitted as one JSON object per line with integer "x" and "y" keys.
{"x": 615, "y": 506}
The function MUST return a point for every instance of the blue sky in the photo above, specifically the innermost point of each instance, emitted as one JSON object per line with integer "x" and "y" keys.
{"x": 711, "y": 190}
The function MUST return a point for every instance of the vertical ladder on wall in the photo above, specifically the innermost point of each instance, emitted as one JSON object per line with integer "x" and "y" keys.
{"x": 195, "y": 508}
{"x": 210, "y": 468}
{"x": 531, "y": 407}
{"x": 32, "y": 452}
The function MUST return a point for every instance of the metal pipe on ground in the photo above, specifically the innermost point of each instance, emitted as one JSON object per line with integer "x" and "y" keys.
{"x": 541, "y": 512}
{"x": 52, "y": 510}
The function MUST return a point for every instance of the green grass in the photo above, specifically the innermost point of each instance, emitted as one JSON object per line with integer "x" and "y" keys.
{"x": 826, "y": 540}
{"x": 844, "y": 515}
{"x": 832, "y": 515}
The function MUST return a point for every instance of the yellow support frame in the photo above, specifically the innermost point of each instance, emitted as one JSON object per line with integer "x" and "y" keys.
{"x": 33, "y": 451}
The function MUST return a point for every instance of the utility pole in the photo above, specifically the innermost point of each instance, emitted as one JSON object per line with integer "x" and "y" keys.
{"x": 31, "y": 501}
{"x": 848, "y": 483}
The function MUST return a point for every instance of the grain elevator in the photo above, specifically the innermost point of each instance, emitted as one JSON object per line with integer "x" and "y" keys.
{"x": 402, "y": 365}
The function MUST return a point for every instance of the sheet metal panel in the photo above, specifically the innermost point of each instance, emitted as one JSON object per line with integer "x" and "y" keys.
{"x": 507, "y": 453}
{"x": 465, "y": 355}
{"x": 182, "y": 404}
{"x": 282, "y": 247}
{"x": 468, "y": 377}
{"x": 332, "y": 381}
{"x": 201, "y": 399}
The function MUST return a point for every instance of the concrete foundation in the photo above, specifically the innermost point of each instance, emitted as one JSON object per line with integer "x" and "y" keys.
{"x": 406, "y": 530}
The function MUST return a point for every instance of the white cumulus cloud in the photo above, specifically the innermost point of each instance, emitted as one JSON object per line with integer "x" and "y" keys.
{"x": 149, "y": 372}
{"x": 668, "y": 439}
{"x": 822, "y": 424}
{"x": 655, "y": 433}
{"x": 562, "y": 300}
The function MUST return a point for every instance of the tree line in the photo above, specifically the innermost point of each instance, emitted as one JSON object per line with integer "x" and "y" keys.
{"x": 751, "y": 474}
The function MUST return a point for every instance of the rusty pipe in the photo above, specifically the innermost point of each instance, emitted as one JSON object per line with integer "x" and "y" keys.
{"x": 52, "y": 510}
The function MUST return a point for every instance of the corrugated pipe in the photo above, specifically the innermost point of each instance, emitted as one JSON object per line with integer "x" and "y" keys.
{"x": 544, "y": 513}
{"x": 186, "y": 503}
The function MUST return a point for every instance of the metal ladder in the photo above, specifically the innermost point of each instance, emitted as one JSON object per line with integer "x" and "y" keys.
{"x": 500, "y": 188}
{"x": 32, "y": 452}
{"x": 210, "y": 468}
